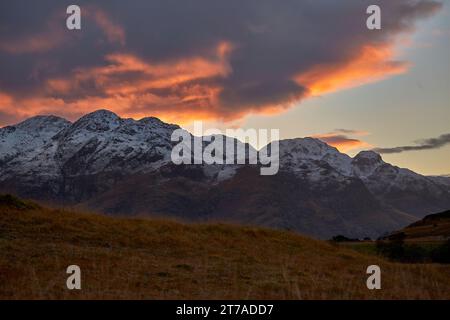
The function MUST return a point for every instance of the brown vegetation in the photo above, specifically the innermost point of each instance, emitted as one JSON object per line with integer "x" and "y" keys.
{"x": 154, "y": 259}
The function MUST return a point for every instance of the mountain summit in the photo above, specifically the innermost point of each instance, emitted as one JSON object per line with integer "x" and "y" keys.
{"x": 123, "y": 166}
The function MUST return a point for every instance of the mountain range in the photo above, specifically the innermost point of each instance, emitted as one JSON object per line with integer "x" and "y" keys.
{"x": 117, "y": 166}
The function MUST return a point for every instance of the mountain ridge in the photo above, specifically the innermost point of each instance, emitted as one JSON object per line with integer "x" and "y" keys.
{"x": 102, "y": 161}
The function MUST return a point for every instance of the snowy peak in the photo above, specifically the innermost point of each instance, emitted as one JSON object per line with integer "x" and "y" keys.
{"x": 26, "y": 139}
{"x": 366, "y": 163}
{"x": 98, "y": 142}
{"x": 42, "y": 124}
{"x": 151, "y": 121}
{"x": 310, "y": 156}
{"x": 104, "y": 122}
{"x": 100, "y": 120}
{"x": 306, "y": 148}
{"x": 102, "y": 141}
{"x": 370, "y": 156}
{"x": 102, "y": 115}
{"x": 35, "y": 126}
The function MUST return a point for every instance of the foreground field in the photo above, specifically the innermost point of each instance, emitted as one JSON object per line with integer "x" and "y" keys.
{"x": 149, "y": 259}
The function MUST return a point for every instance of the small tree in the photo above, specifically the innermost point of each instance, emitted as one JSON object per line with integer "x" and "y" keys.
{"x": 442, "y": 253}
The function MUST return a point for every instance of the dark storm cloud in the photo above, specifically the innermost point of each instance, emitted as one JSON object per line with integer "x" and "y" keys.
{"x": 270, "y": 43}
{"x": 426, "y": 144}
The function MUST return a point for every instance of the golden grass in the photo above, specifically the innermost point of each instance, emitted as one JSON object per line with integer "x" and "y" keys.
{"x": 150, "y": 259}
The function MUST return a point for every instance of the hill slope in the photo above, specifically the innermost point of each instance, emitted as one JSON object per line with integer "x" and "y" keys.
{"x": 150, "y": 259}
{"x": 434, "y": 227}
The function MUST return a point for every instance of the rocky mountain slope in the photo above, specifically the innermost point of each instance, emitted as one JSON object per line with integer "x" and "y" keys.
{"x": 123, "y": 167}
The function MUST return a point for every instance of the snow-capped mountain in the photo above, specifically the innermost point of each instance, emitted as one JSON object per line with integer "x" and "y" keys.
{"x": 98, "y": 142}
{"x": 401, "y": 188}
{"x": 27, "y": 139}
{"x": 41, "y": 155}
{"x": 123, "y": 166}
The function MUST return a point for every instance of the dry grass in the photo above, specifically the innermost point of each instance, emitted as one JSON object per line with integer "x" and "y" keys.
{"x": 148, "y": 259}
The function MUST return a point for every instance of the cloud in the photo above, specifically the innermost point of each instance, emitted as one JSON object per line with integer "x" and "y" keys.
{"x": 113, "y": 31}
{"x": 39, "y": 42}
{"x": 6, "y": 118}
{"x": 351, "y": 131}
{"x": 53, "y": 34}
{"x": 204, "y": 59}
{"x": 340, "y": 139}
{"x": 426, "y": 144}
{"x": 370, "y": 64}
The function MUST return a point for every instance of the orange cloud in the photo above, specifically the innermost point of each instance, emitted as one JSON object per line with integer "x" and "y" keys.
{"x": 178, "y": 91}
{"x": 5, "y": 99}
{"x": 189, "y": 69}
{"x": 183, "y": 90}
{"x": 342, "y": 142}
{"x": 145, "y": 75}
{"x": 369, "y": 65}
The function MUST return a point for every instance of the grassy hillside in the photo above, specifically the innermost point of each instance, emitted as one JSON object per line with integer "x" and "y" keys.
{"x": 150, "y": 259}
{"x": 434, "y": 227}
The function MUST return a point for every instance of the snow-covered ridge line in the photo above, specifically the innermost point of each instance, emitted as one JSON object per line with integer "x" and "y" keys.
{"x": 102, "y": 141}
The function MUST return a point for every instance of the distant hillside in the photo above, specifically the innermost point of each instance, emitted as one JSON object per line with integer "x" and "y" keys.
{"x": 432, "y": 227}
{"x": 151, "y": 259}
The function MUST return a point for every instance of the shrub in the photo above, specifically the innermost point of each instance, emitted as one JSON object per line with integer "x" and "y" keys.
{"x": 397, "y": 250}
{"x": 341, "y": 238}
{"x": 10, "y": 201}
{"x": 442, "y": 253}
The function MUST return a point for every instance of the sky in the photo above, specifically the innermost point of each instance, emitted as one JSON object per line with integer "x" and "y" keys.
{"x": 306, "y": 67}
